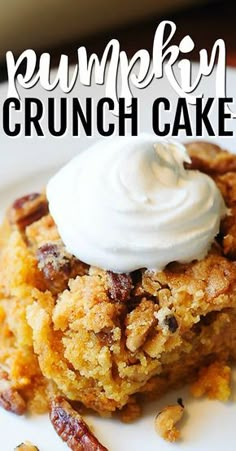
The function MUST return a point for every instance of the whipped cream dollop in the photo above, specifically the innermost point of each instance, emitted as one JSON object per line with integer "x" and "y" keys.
{"x": 129, "y": 203}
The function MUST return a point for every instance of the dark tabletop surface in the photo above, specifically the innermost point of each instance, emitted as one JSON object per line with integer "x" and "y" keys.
{"x": 204, "y": 23}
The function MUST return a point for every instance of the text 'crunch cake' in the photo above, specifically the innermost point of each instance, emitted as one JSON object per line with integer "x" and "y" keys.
{"x": 109, "y": 339}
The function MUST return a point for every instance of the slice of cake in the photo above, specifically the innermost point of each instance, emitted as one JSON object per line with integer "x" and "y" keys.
{"x": 108, "y": 339}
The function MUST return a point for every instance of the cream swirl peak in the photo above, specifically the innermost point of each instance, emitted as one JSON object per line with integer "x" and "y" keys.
{"x": 129, "y": 203}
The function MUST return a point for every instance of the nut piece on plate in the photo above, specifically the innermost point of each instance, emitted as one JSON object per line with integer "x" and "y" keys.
{"x": 10, "y": 399}
{"x": 214, "y": 382}
{"x": 166, "y": 420}
{"x": 27, "y": 209}
{"x": 71, "y": 427}
{"x": 27, "y": 446}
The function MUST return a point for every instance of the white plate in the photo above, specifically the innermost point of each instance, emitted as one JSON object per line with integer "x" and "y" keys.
{"x": 25, "y": 165}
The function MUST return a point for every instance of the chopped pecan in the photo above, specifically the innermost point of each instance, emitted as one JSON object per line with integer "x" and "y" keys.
{"x": 119, "y": 286}
{"x": 139, "y": 323}
{"x": 167, "y": 320}
{"x": 171, "y": 323}
{"x": 58, "y": 266}
{"x": 106, "y": 337}
{"x": 164, "y": 297}
{"x": 150, "y": 283}
{"x": 10, "y": 399}
{"x": 27, "y": 446}
{"x": 28, "y": 209}
{"x": 71, "y": 427}
{"x": 166, "y": 420}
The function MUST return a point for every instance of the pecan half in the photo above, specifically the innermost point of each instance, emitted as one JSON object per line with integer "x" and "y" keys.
{"x": 10, "y": 399}
{"x": 119, "y": 286}
{"x": 71, "y": 427}
{"x": 58, "y": 266}
{"x": 28, "y": 209}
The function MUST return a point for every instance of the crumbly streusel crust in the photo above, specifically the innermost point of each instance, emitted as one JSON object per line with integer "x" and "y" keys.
{"x": 104, "y": 339}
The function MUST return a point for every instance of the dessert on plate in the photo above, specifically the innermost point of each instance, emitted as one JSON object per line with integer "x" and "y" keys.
{"x": 119, "y": 282}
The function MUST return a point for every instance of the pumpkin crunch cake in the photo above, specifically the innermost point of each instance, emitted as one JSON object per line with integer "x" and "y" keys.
{"x": 110, "y": 340}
